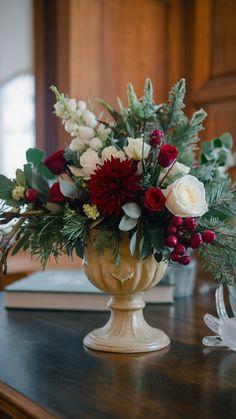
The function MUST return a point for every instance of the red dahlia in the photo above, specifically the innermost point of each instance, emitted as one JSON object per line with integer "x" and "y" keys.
{"x": 114, "y": 184}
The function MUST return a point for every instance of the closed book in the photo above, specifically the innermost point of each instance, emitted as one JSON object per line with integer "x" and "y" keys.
{"x": 68, "y": 290}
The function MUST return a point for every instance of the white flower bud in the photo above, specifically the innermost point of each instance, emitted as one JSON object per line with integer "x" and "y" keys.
{"x": 111, "y": 151}
{"x": 96, "y": 144}
{"x": 89, "y": 160}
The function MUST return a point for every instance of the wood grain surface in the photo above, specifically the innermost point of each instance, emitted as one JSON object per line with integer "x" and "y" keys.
{"x": 42, "y": 357}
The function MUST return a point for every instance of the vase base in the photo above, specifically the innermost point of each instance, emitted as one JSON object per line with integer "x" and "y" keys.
{"x": 100, "y": 341}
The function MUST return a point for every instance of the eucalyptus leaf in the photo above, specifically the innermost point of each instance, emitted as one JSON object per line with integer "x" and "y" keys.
{"x": 127, "y": 223}
{"x": 6, "y": 187}
{"x": 34, "y": 155}
{"x": 132, "y": 210}
{"x": 28, "y": 174}
{"x": 133, "y": 243}
{"x": 53, "y": 207}
{"x": 227, "y": 140}
{"x": 217, "y": 143}
{"x": 45, "y": 171}
{"x": 68, "y": 189}
{"x": 20, "y": 177}
{"x": 79, "y": 248}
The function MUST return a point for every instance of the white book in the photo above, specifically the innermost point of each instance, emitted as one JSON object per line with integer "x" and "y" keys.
{"x": 68, "y": 290}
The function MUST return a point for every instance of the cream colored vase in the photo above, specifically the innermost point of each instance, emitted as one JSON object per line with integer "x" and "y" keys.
{"x": 126, "y": 330}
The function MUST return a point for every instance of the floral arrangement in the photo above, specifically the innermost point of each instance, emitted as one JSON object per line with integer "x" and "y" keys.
{"x": 134, "y": 172}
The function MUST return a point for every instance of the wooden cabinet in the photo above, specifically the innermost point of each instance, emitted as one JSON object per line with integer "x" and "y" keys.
{"x": 94, "y": 47}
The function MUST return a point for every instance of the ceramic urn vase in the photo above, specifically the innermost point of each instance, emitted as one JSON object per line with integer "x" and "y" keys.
{"x": 126, "y": 331}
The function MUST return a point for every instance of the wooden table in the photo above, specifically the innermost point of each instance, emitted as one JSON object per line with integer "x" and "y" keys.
{"x": 43, "y": 359}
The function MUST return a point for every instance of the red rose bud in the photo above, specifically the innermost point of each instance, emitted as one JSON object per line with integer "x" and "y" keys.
{"x": 167, "y": 155}
{"x": 174, "y": 256}
{"x": 177, "y": 221}
{"x": 185, "y": 260}
{"x": 156, "y": 138}
{"x": 180, "y": 249}
{"x": 190, "y": 223}
{"x": 171, "y": 241}
{"x": 31, "y": 195}
{"x": 208, "y": 236}
{"x": 195, "y": 240}
{"x": 56, "y": 163}
{"x": 154, "y": 199}
{"x": 172, "y": 229}
{"x": 55, "y": 195}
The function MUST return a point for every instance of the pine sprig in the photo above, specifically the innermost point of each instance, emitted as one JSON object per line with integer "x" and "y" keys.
{"x": 219, "y": 256}
{"x": 104, "y": 240}
{"x": 75, "y": 227}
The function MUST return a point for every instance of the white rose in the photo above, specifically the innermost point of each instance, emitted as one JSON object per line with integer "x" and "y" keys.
{"x": 111, "y": 151}
{"x": 77, "y": 144}
{"x": 177, "y": 169}
{"x": 89, "y": 161}
{"x": 85, "y": 133}
{"x": 96, "y": 144}
{"x": 82, "y": 105}
{"x": 135, "y": 148}
{"x": 89, "y": 118}
{"x": 186, "y": 197}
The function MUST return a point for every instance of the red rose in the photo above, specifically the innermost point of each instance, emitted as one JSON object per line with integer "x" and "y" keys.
{"x": 154, "y": 199}
{"x": 55, "y": 195}
{"x": 156, "y": 138}
{"x": 31, "y": 195}
{"x": 167, "y": 155}
{"x": 56, "y": 162}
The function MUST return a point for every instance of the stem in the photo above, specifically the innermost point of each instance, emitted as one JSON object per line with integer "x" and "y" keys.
{"x": 168, "y": 171}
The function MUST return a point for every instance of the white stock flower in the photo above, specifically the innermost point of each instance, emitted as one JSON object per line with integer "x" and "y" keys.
{"x": 77, "y": 144}
{"x": 85, "y": 133}
{"x": 82, "y": 105}
{"x": 103, "y": 131}
{"x": 111, "y": 151}
{"x": 177, "y": 169}
{"x": 70, "y": 126}
{"x": 96, "y": 144}
{"x": 135, "y": 148}
{"x": 186, "y": 197}
{"x": 89, "y": 160}
{"x": 89, "y": 118}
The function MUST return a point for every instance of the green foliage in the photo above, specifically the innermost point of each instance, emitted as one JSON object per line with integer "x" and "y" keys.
{"x": 34, "y": 155}
{"x": 104, "y": 240}
{"x": 6, "y": 187}
{"x": 221, "y": 198}
{"x": 75, "y": 228}
{"x": 219, "y": 257}
{"x": 41, "y": 235}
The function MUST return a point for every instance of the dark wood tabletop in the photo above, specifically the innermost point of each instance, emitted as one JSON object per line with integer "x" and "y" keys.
{"x": 44, "y": 360}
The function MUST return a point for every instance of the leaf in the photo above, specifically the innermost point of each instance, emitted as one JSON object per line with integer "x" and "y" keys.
{"x": 6, "y": 187}
{"x": 145, "y": 247}
{"x": 40, "y": 184}
{"x": 207, "y": 148}
{"x": 28, "y": 174}
{"x": 127, "y": 223}
{"x": 222, "y": 159}
{"x": 157, "y": 239}
{"x": 34, "y": 155}
{"x": 227, "y": 140}
{"x": 20, "y": 177}
{"x": 45, "y": 171}
{"x": 158, "y": 257}
{"x": 133, "y": 243}
{"x": 217, "y": 143}
{"x": 68, "y": 189}
{"x": 132, "y": 210}
{"x": 79, "y": 248}
{"x": 21, "y": 243}
{"x": 53, "y": 207}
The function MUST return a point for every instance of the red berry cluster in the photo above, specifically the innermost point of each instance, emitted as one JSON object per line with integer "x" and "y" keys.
{"x": 181, "y": 234}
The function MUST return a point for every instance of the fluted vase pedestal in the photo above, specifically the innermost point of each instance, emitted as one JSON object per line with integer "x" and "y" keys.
{"x": 126, "y": 331}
